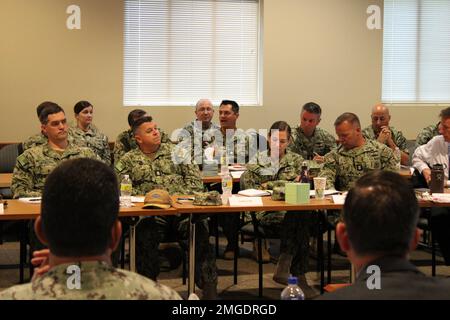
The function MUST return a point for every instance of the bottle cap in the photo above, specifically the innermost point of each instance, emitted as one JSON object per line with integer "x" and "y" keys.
{"x": 292, "y": 280}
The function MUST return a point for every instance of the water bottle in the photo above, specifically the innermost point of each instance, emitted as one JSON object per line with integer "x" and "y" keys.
{"x": 304, "y": 174}
{"x": 227, "y": 186}
{"x": 125, "y": 191}
{"x": 292, "y": 291}
{"x": 398, "y": 157}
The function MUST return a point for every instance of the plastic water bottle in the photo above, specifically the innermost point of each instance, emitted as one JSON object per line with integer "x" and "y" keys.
{"x": 227, "y": 186}
{"x": 125, "y": 191}
{"x": 398, "y": 157}
{"x": 292, "y": 291}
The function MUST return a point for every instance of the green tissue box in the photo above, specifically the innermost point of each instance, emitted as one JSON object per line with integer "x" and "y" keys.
{"x": 297, "y": 193}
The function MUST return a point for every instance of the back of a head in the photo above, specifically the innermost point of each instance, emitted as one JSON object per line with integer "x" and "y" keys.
{"x": 135, "y": 115}
{"x": 80, "y": 204}
{"x": 48, "y": 109}
{"x": 234, "y": 105}
{"x": 381, "y": 214}
{"x": 312, "y": 107}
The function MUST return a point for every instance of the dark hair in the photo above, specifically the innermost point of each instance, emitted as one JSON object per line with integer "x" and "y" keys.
{"x": 280, "y": 126}
{"x": 80, "y": 204}
{"x": 80, "y": 105}
{"x": 312, "y": 107}
{"x": 139, "y": 122}
{"x": 234, "y": 105}
{"x": 445, "y": 113}
{"x": 134, "y": 115}
{"x": 48, "y": 109}
{"x": 381, "y": 214}
{"x": 42, "y": 106}
{"x": 348, "y": 116}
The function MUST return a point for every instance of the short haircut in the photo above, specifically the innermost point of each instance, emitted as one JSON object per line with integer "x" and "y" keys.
{"x": 312, "y": 107}
{"x": 281, "y": 126}
{"x": 50, "y": 108}
{"x": 348, "y": 116}
{"x": 234, "y": 105}
{"x": 134, "y": 115}
{"x": 42, "y": 106}
{"x": 202, "y": 101}
{"x": 445, "y": 113}
{"x": 80, "y": 105}
{"x": 381, "y": 214}
{"x": 80, "y": 204}
{"x": 139, "y": 122}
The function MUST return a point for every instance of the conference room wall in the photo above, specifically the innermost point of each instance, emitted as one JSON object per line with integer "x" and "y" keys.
{"x": 314, "y": 50}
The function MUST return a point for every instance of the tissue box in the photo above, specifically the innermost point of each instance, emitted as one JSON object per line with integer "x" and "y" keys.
{"x": 297, "y": 193}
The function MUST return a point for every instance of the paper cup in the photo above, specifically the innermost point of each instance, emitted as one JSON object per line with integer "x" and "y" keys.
{"x": 319, "y": 187}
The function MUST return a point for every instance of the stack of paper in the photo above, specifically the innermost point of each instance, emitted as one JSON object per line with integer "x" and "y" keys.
{"x": 254, "y": 193}
{"x": 441, "y": 197}
{"x": 339, "y": 198}
{"x": 312, "y": 193}
{"x": 31, "y": 200}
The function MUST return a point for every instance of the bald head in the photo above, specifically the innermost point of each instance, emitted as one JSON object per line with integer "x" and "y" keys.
{"x": 204, "y": 111}
{"x": 380, "y": 117}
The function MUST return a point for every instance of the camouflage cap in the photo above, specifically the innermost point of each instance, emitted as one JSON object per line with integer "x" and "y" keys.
{"x": 211, "y": 198}
{"x": 157, "y": 198}
{"x": 278, "y": 193}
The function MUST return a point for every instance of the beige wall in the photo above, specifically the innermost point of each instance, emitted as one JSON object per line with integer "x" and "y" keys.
{"x": 314, "y": 50}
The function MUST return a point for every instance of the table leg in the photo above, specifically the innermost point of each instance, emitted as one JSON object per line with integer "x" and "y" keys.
{"x": 191, "y": 280}
{"x": 133, "y": 247}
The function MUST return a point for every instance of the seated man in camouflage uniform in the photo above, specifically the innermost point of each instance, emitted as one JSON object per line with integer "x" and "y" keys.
{"x": 308, "y": 140}
{"x": 383, "y": 133}
{"x": 292, "y": 228}
{"x": 239, "y": 148}
{"x": 78, "y": 222}
{"x": 428, "y": 133}
{"x": 85, "y": 134}
{"x": 196, "y": 135}
{"x": 125, "y": 141}
{"x": 152, "y": 166}
{"x": 355, "y": 155}
{"x": 40, "y": 138}
{"x": 34, "y": 165}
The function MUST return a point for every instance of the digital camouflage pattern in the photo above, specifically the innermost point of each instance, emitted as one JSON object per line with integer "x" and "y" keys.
{"x": 40, "y": 139}
{"x": 397, "y": 137}
{"x": 125, "y": 142}
{"x": 293, "y": 228}
{"x": 159, "y": 171}
{"x": 211, "y": 198}
{"x": 34, "y": 165}
{"x": 99, "y": 281}
{"x": 94, "y": 140}
{"x": 321, "y": 143}
{"x": 427, "y": 134}
{"x": 193, "y": 136}
{"x": 343, "y": 167}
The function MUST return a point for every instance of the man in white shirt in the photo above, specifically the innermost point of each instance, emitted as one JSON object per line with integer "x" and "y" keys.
{"x": 436, "y": 151}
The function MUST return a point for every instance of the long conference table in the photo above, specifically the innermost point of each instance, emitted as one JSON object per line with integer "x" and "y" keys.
{"x": 5, "y": 178}
{"x": 19, "y": 210}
